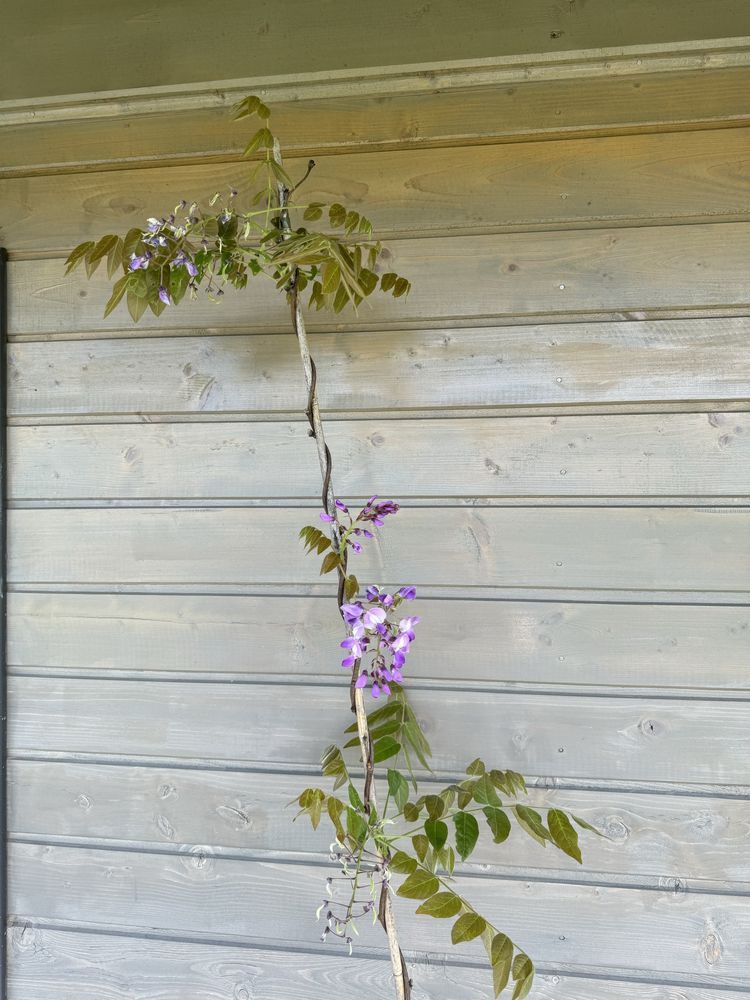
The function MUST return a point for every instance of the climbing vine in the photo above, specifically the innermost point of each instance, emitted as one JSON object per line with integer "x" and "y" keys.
{"x": 409, "y": 843}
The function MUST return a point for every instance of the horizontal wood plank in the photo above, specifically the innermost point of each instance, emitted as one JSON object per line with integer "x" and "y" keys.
{"x": 587, "y": 271}
{"x": 537, "y": 734}
{"x": 56, "y": 964}
{"x": 579, "y": 182}
{"x": 553, "y": 365}
{"x": 518, "y": 111}
{"x": 631, "y": 931}
{"x": 677, "y": 454}
{"x": 682, "y": 840}
{"x": 636, "y": 645}
{"x": 616, "y": 548}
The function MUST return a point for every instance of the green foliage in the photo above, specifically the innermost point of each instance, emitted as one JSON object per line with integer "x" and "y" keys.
{"x": 226, "y": 244}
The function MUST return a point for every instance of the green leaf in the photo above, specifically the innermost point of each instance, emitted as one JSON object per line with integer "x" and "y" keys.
{"x": 501, "y": 957}
{"x": 564, "y": 834}
{"x": 333, "y": 766}
{"x": 498, "y": 822}
{"x": 351, "y": 586}
{"x": 467, "y": 927}
{"x": 419, "y": 885}
{"x": 434, "y": 805}
{"x": 401, "y": 287}
{"x": 335, "y": 808}
{"x": 398, "y": 786}
{"x": 355, "y": 799}
{"x": 437, "y": 832}
{"x": 136, "y": 306}
{"x": 356, "y": 826}
{"x": 421, "y": 845}
{"x": 531, "y": 822}
{"x": 313, "y": 211}
{"x": 441, "y": 905}
{"x": 476, "y": 767}
{"x": 337, "y": 214}
{"x": 411, "y": 812}
{"x": 467, "y": 834}
{"x": 387, "y": 281}
{"x": 311, "y": 802}
{"x": 331, "y": 276}
{"x": 118, "y": 290}
{"x": 384, "y": 748}
{"x": 402, "y": 863}
{"x": 418, "y": 743}
{"x": 76, "y": 256}
{"x": 523, "y": 973}
{"x": 484, "y": 792}
{"x": 246, "y": 107}
{"x": 351, "y": 220}
{"x": 331, "y": 561}
{"x": 114, "y": 257}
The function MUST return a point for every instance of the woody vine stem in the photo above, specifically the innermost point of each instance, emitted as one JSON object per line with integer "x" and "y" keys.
{"x": 328, "y": 499}
{"x": 192, "y": 250}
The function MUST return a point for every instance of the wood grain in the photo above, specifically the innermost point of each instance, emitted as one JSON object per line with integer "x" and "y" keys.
{"x": 552, "y": 365}
{"x": 647, "y": 456}
{"x": 537, "y": 734}
{"x": 55, "y": 964}
{"x": 590, "y": 271}
{"x": 528, "y": 110}
{"x": 690, "y": 842}
{"x": 79, "y": 52}
{"x": 503, "y": 642}
{"x": 606, "y": 929}
{"x": 617, "y": 548}
{"x": 589, "y": 182}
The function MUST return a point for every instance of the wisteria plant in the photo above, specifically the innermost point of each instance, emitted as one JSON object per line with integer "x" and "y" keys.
{"x": 410, "y": 842}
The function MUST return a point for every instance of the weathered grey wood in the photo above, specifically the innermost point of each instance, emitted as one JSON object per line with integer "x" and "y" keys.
{"x": 596, "y": 182}
{"x": 556, "y": 364}
{"x": 647, "y": 456}
{"x": 616, "y": 548}
{"x": 667, "y": 646}
{"x": 56, "y": 964}
{"x": 639, "y": 271}
{"x": 583, "y": 100}
{"x": 685, "y": 841}
{"x": 631, "y": 931}
{"x": 545, "y": 734}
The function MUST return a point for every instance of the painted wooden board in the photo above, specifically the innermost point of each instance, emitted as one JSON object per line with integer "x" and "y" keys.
{"x": 607, "y": 548}
{"x": 56, "y": 964}
{"x": 605, "y": 928}
{"x": 521, "y": 109}
{"x": 597, "y": 182}
{"x": 514, "y": 642}
{"x": 587, "y": 271}
{"x": 685, "y": 841}
{"x": 272, "y": 723}
{"x": 646, "y": 456}
{"x": 550, "y": 365}
{"x": 268, "y": 39}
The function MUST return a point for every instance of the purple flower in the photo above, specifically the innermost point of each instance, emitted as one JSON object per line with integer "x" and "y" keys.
{"x": 373, "y": 594}
{"x": 140, "y": 262}
{"x": 406, "y": 626}
{"x": 373, "y": 617}
{"x": 349, "y": 662}
{"x": 351, "y": 612}
{"x": 164, "y": 295}
{"x": 342, "y": 506}
{"x": 326, "y": 517}
{"x": 361, "y": 681}
{"x": 153, "y": 225}
{"x": 356, "y": 547}
{"x": 408, "y": 593}
{"x": 356, "y": 645}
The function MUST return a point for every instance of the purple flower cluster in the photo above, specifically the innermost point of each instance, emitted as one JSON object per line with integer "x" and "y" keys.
{"x": 374, "y": 635}
{"x": 372, "y": 513}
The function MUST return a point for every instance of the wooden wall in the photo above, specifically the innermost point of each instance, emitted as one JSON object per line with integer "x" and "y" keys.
{"x": 561, "y": 405}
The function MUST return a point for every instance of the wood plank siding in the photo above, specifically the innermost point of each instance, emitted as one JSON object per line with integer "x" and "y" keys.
{"x": 562, "y": 407}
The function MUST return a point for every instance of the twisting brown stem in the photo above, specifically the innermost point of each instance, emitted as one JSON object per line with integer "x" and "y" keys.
{"x": 385, "y": 909}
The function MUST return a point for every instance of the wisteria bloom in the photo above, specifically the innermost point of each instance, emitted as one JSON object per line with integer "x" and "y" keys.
{"x": 379, "y": 643}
